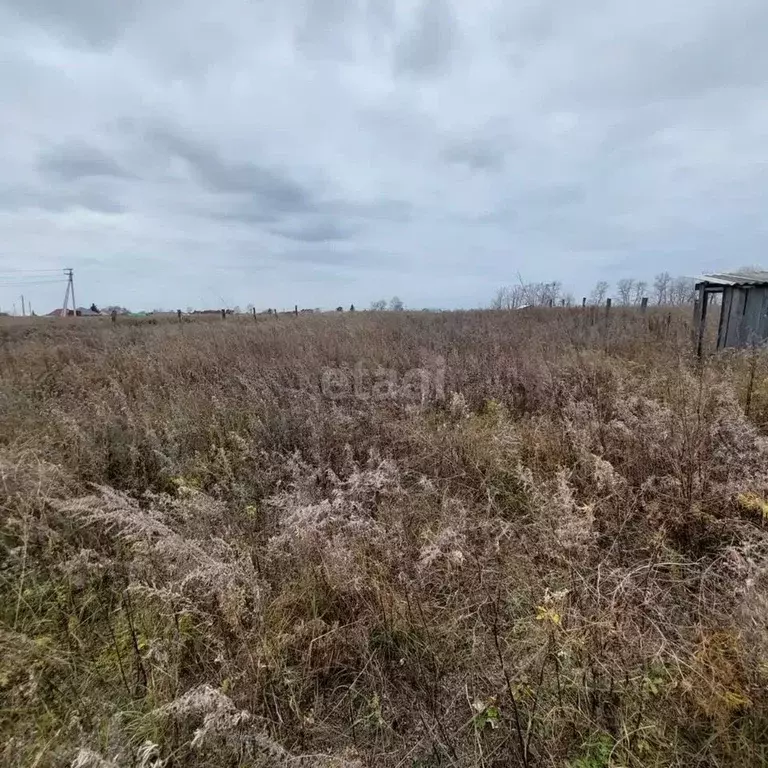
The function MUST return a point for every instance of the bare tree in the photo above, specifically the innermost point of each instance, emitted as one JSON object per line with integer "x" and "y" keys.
{"x": 661, "y": 286}
{"x": 640, "y": 290}
{"x": 599, "y": 292}
{"x": 396, "y": 305}
{"x": 542, "y": 294}
{"x": 550, "y": 293}
{"x": 379, "y": 306}
{"x": 682, "y": 290}
{"x": 625, "y": 287}
{"x": 499, "y": 299}
{"x": 509, "y": 297}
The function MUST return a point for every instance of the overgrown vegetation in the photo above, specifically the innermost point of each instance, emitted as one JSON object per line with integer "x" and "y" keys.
{"x": 206, "y": 561}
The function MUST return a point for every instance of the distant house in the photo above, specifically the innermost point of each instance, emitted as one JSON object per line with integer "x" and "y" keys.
{"x": 81, "y": 312}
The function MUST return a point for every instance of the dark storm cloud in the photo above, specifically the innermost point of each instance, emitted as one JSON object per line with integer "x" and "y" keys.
{"x": 76, "y": 160}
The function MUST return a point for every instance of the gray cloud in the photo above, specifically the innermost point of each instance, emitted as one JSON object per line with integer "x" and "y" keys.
{"x": 321, "y": 231}
{"x": 248, "y": 212}
{"x": 321, "y": 30}
{"x": 320, "y": 257}
{"x": 91, "y": 22}
{"x": 57, "y": 201}
{"x": 76, "y": 160}
{"x": 476, "y": 154}
{"x": 380, "y": 210}
{"x": 270, "y": 190}
{"x": 426, "y": 48}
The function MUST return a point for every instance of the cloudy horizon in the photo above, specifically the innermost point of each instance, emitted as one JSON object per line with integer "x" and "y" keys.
{"x": 329, "y": 152}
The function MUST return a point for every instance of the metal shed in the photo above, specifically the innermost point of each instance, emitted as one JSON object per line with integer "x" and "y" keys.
{"x": 743, "y": 308}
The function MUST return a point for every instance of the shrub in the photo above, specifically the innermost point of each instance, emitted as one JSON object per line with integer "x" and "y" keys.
{"x": 205, "y": 561}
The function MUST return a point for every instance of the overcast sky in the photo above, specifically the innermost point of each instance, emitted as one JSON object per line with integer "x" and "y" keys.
{"x": 194, "y": 153}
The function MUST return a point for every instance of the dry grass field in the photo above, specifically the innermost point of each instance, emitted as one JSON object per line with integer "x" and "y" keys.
{"x": 536, "y": 541}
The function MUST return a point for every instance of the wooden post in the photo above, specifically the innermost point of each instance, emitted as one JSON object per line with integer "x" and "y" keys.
{"x": 607, "y": 307}
{"x": 114, "y": 315}
{"x": 296, "y": 310}
{"x": 178, "y": 315}
{"x": 644, "y": 304}
{"x": 700, "y": 320}
{"x": 254, "y": 313}
{"x": 584, "y": 302}
{"x": 223, "y": 314}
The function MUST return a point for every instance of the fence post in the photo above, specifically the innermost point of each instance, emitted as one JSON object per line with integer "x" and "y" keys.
{"x": 584, "y": 302}
{"x": 701, "y": 319}
{"x": 296, "y": 310}
{"x": 178, "y": 314}
{"x": 223, "y": 314}
{"x": 644, "y": 304}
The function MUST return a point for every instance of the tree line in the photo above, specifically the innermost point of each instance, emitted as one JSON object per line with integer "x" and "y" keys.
{"x": 664, "y": 290}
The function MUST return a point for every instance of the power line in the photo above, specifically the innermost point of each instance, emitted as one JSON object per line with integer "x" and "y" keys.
{"x": 22, "y": 284}
{"x": 29, "y": 279}
{"x": 31, "y": 272}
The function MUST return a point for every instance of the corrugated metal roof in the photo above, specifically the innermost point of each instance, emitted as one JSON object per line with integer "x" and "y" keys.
{"x": 735, "y": 278}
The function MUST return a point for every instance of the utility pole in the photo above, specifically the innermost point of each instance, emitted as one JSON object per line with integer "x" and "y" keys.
{"x": 70, "y": 292}
{"x": 23, "y": 308}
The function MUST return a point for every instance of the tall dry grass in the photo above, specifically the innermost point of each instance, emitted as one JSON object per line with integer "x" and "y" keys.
{"x": 207, "y": 561}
